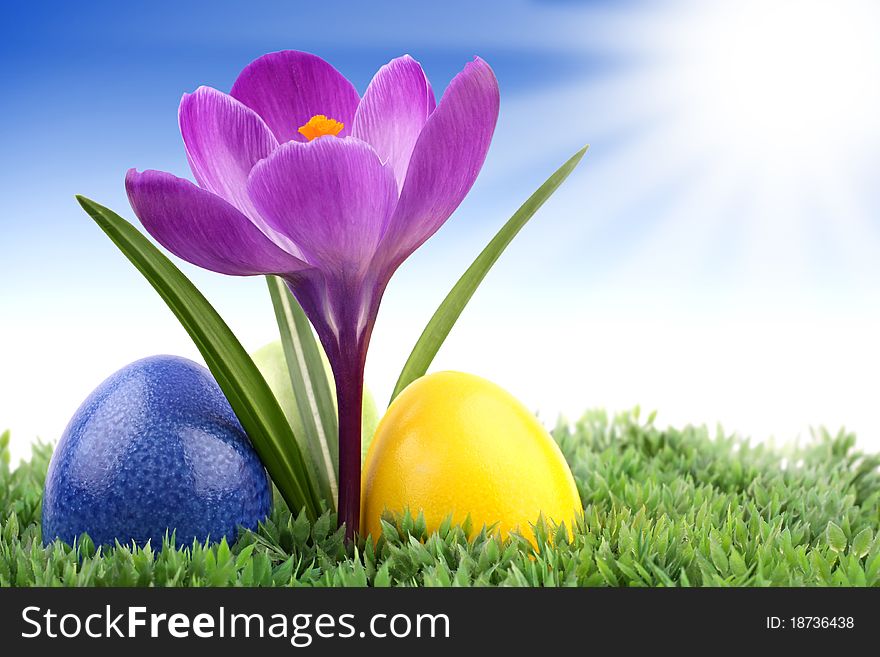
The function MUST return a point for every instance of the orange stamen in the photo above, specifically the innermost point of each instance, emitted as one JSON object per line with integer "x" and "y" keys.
{"x": 319, "y": 126}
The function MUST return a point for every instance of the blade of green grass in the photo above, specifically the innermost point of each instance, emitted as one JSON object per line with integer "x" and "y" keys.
{"x": 4, "y": 451}
{"x": 311, "y": 388}
{"x": 235, "y": 372}
{"x": 450, "y": 309}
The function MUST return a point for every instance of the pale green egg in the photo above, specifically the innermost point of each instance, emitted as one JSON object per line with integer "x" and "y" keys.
{"x": 272, "y": 364}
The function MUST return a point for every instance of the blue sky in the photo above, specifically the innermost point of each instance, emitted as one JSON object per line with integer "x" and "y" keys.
{"x": 714, "y": 257}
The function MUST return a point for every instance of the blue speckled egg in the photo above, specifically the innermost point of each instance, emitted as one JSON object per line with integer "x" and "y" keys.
{"x": 155, "y": 447}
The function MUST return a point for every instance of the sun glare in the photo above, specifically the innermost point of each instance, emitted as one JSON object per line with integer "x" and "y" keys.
{"x": 762, "y": 115}
{"x": 781, "y": 78}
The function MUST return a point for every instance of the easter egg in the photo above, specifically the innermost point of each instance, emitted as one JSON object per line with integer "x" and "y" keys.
{"x": 155, "y": 448}
{"x": 454, "y": 443}
{"x": 272, "y": 364}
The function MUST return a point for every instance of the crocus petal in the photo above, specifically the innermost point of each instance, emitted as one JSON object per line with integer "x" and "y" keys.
{"x": 224, "y": 139}
{"x": 445, "y": 162}
{"x": 332, "y": 197}
{"x": 202, "y": 228}
{"x": 393, "y": 111}
{"x": 287, "y": 88}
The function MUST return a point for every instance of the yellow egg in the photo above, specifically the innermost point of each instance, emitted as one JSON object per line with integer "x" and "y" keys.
{"x": 457, "y": 443}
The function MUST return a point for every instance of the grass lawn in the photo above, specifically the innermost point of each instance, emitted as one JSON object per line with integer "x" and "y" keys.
{"x": 663, "y": 508}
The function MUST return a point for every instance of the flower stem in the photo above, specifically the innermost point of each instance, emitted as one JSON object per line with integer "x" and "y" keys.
{"x": 349, "y": 396}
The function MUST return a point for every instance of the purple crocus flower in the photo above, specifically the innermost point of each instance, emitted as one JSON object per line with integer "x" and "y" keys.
{"x": 300, "y": 177}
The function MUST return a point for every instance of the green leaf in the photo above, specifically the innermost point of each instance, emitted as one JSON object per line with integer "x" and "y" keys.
{"x": 835, "y": 537}
{"x": 311, "y": 389}
{"x": 4, "y": 451}
{"x": 737, "y": 563}
{"x": 450, "y": 309}
{"x": 872, "y": 568}
{"x": 719, "y": 558}
{"x": 244, "y": 556}
{"x": 606, "y": 571}
{"x": 383, "y": 577}
{"x": 861, "y": 543}
{"x": 235, "y": 372}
